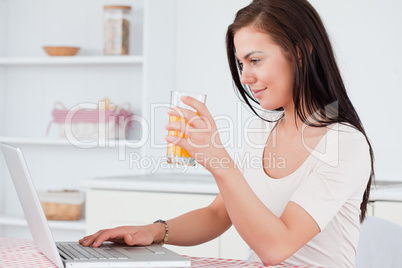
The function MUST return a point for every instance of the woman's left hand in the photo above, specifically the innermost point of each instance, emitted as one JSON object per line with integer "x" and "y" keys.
{"x": 202, "y": 139}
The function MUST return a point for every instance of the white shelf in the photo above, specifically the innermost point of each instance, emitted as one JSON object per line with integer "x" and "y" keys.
{"x": 65, "y": 225}
{"x": 61, "y": 142}
{"x": 35, "y": 141}
{"x": 47, "y": 60}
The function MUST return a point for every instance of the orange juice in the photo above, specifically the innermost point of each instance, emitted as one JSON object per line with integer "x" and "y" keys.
{"x": 175, "y": 153}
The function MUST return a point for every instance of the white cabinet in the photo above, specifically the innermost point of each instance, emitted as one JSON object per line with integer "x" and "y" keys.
{"x": 31, "y": 83}
{"x": 111, "y": 208}
{"x": 389, "y": 210}
{"x": 386, "y": 201}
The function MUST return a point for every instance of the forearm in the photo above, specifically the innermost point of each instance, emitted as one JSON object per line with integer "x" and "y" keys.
{"x": 195, "y": 227}
{"x": 262, "y": 230}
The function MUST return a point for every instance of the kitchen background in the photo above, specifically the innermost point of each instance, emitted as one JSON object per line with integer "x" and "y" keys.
{"x": 174, "y": 45}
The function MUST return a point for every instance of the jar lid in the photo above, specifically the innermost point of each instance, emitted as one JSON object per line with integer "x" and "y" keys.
{"x": 120, "y": 7}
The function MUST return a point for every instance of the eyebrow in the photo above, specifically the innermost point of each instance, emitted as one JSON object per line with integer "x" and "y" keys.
{"x": 251, "y": 53}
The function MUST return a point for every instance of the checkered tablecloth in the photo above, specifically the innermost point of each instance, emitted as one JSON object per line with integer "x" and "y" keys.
{"x": 18, "y": 253}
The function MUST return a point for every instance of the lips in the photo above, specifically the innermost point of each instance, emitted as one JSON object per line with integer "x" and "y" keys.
{"x": 258, "y": 92}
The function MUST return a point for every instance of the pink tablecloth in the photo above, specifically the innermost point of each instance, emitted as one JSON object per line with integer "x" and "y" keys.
{"x": 16, "y": 253}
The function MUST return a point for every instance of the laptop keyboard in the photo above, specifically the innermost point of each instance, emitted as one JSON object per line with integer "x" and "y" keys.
{"x": 78, "y": 252}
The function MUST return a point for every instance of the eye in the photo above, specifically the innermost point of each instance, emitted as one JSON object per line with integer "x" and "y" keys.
{"x": 254, "y": 61}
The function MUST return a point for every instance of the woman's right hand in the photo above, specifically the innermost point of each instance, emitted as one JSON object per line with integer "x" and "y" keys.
{"x": 130, "y": 235}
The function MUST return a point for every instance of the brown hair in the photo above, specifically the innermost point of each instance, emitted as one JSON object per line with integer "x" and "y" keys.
{"x": 318, "y": 90}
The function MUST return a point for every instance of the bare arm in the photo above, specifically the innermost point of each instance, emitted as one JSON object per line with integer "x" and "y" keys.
{"x": 273, "y": 238}
{"x": 200, "y": 225}
{"x": 192, "y": 228}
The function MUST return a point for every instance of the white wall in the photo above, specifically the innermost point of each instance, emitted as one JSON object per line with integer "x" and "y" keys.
{"x": 3, "y": 7}
{"x": 3, "y": 24}
{"x": 3, "y": 31}
{"x": 367, "y": 39}
{"x": 159, "y": 36}
{"x": 201, "y": 62}
{"x": 43, "y": 23}
{"x": 193, "y": 58}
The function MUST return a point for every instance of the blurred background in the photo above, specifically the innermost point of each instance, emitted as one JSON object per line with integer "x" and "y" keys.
{"x": 173, "y": 45}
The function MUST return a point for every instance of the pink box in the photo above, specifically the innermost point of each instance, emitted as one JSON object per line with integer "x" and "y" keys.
{"x": 92, "y": 124}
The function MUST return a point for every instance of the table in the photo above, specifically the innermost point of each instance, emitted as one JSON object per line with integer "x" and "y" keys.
{"x": 18, "y": 253}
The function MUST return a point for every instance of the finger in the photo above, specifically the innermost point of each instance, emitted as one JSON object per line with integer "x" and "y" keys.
{"x": 179, "y": 136}
{"x": 179, "y": 141}
{"x": 181, "y": 112}
{"x": 190, "y": 117}
{"x": 199, "y": 106}
{"x": 117, "y": 240}
{"x": 89, "y": 239}
{"x": 129, "y": 240}
{"x": 205, "y": 127}
{"x": 106, "y": 236}
{"x": 181, "y": 127}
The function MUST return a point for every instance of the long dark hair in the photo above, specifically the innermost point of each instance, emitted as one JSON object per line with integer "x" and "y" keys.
{"x": 319, "y": 91}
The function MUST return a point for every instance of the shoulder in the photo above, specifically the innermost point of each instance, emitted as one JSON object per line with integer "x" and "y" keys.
{"x": 343, "y": 142}
{"x": 349, "y": 136}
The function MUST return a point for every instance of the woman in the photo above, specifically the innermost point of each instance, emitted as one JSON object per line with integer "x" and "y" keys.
{"x": 306, "y": 209}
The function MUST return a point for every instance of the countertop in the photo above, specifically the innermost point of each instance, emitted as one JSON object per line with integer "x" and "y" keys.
{"x": 176, "y": 183}
{"x": 205, "y": 184}
{"x": 386, "y": 191}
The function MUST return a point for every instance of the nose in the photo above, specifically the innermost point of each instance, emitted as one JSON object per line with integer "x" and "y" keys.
{"x": 247, "y": 77}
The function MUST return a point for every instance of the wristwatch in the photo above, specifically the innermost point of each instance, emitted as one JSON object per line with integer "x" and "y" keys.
{"x": 165, "y": 238}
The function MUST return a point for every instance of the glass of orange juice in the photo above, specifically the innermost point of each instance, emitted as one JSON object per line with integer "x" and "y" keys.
{"x": 176, "y": 154}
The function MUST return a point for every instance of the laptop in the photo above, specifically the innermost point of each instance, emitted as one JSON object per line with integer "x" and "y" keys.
{"x": 72, "y": 254}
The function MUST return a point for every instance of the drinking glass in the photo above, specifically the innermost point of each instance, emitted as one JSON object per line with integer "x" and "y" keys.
{"x": 176, "y": 154}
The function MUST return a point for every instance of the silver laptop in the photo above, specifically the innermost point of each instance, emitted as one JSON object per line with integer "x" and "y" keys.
{"x": 72, "y": 254}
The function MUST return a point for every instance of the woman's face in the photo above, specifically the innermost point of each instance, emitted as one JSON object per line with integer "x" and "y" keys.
{"x": 265, "y": 68}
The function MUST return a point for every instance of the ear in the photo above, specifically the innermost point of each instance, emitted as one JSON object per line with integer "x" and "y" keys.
{"x": 299, "y": 54}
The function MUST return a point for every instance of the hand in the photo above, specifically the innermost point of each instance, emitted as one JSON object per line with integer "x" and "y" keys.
{"x": 201, "y": 138}
{"x": 131, "y": 235}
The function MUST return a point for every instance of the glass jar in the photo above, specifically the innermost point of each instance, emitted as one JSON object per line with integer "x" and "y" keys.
{"x": 117, "y": 30}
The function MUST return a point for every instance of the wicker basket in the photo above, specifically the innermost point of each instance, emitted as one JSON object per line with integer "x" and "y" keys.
{"x": 65, "y": 205}
{"x": 62, "y": 212}
{"x": 61, "y": 51}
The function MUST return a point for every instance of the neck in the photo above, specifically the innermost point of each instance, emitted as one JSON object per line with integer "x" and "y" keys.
{"x": 290, "y": 121}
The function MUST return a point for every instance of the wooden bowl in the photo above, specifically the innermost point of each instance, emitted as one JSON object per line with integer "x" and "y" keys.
{"x": 61, "y": 51}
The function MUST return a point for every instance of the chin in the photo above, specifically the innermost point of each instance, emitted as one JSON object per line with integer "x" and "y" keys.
{"x": 270, "y": 107}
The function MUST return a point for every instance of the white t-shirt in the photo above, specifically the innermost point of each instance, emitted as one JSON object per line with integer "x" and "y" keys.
{"x": 329, "y": 185}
